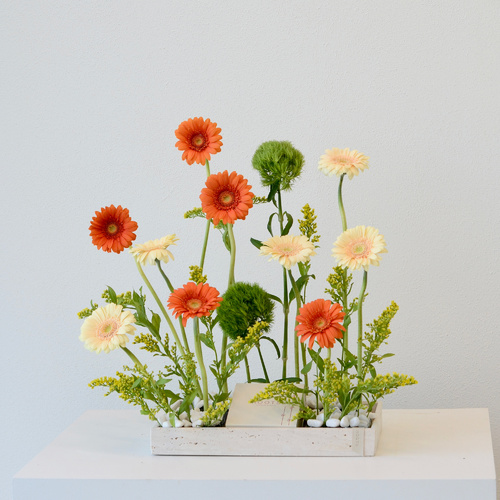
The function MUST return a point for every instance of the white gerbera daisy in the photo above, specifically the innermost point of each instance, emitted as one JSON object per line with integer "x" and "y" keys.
{"x": 107, "y": 328}
{"x": 288, "y": 250}
{"x": 359, "y": 247}
{"x": 343, "y": 161}
{"x": 148, "y": 252}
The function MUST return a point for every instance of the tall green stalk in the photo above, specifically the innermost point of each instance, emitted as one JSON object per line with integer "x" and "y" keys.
{"x": 207, "y": 228}
{"x": 162, "y": 308}
{"x": 201, "y": 364}
{"x": 286, "y": 310}
{"x": 360, "y": 324}
{"x": 345, "y": 343}
{"x": 296, "y": 338}
{"x": 230, "y": 281}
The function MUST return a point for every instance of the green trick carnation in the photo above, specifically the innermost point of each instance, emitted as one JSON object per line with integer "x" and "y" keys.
{"x": 244, "y": 304}
{"x": 278, "y": 161}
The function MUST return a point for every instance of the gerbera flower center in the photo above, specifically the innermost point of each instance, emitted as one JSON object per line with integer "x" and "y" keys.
{"x": 289, "y": 250}
{"x": 112, "y": 228}
{"x": 361, "y": 248}
{"x": 319, "y": 323}
{"x": 198, "y": 142}
{"x": 108, "y": 328}
{"x": 194, "y": 304}
{"x": 226, "y": 198}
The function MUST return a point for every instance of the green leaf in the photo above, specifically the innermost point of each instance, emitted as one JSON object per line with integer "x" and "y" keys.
{"x": 274, "y": 344}
{"x": 187, "y": 402}
{"x": 347, "y": 321}
{"x": 225, "y": 238}
{"x": 272, "y": 191}
{"x": 388, "y": 355}
{"x": 155, "y": 322}
{"x": 317, "y": 359}
{"x": 293, "y": 380}
{"x": 307, "y": 368}
{"x": 137, "y": 383}
{"x": 112, "y": 295}
{"x": 373, "y": 372}
{"x": 273, "y": 297}
{"x": 221, "y": 397}
{"x": 163, "y": 381}
{"x": 270, "y": 222}
{"x": 259, "y": 380}
{"x": 207, "y": 341}
{"x": 289, "y": 224}
{"x": 256, "y": 243}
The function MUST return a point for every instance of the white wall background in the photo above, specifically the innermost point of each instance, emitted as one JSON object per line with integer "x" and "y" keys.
{"x": 91, "y": 95}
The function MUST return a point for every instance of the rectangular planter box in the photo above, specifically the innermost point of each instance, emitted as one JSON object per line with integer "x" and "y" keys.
{"x": 269, "y": 441}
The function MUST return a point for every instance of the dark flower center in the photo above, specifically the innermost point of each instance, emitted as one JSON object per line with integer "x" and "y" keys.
{"x": 112, "y": 228}
{"x": 319, "y": 323}
{"x": 226, "y": 198}
{"x": 194, "y": 304}
{"x": 198, "y": 142}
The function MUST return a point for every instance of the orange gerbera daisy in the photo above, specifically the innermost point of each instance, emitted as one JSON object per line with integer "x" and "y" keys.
{"x": 112, "y": 229}
{"x": 198, "y": 139}
{"x": 320, "y": 320}
{"x": 226, "y": 198}
{"x": 194, "y": 300}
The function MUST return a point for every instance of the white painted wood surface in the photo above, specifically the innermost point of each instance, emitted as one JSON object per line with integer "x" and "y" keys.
{"x": 269, "y": 441}
{"x": 422, "y": 454}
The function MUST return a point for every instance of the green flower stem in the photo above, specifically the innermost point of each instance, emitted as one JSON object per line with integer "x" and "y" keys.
{"x": 171, "y": 288}
{"x": 295, "y": 336}
{"x": 345, "y": 345}
{"x": 286, "y": 310}
{"x": 201, "y": 364}
{"x": 266, "y": 376}
{"x": 207, "y": 227}
{"x": 341, "y": 204}
{"x": 160, "y": 305}
{"x": 360, "y": 324}
{"x": 233, "y": 255}
{"x": 304, "y": 362}
{"x": 133, "y": 357}
{"x": 230, "y": 281}
{"x": 247, "y": 368}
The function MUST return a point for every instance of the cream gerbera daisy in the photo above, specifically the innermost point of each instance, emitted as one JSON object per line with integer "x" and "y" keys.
{"x": 107, "y": 328}
{"x": 359, "y": 247}
{"x": 148, "y": 252}
{"x": 288, "y": 250}
{"x": 343, "y": 161}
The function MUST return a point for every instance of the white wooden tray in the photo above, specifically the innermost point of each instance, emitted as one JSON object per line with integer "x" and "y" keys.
{"x": 267, "y": 441}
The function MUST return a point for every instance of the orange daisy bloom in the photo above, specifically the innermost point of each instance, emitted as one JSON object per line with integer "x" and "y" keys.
{"x": 112, "y": 229}
{"x": 320, "y": 320}
{"x": 198, "y": 139}
{"x": 226, "y": 198}
{"x": 194, "y": 300}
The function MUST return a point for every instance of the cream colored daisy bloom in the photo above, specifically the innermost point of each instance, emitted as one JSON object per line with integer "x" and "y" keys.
{"x": 107, "y": 328}
{"x": 343, "y": 161}
{"x": 359, "y": 247}
{"x": 288, "y": 250}
{"x": 148, "y": 252}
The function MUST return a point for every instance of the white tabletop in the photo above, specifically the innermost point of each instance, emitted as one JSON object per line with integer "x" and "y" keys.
{"x": 431, "y": 454}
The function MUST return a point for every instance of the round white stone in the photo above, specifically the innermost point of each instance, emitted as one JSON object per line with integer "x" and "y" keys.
{"x": 321, "y": 417}
{"x": 312, "y": 422}
{"x": 166, "y": 423}
{"x": 186, "y": 423}
{"x": 354, "y": 422}
{"x": 345, "y": 421}
{"x": 176, "y": 405}
{"x": 333, "y": 422}
{"x": 197, "y": 423}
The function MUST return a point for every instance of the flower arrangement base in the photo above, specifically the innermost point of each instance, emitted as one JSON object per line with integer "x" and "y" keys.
{"x": 269, "y": 441}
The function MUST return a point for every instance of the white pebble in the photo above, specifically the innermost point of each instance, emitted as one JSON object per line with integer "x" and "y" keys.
{"x": 345, "y": 421}
{"x": 321, "y": 417}
{"x": 161, "y": 416}
{"x": 312, "y": 422}
{"x": 372, "y": 415}
{"x": 336, "y": 414}
{"x": 177, "y": 423}
{"x": 186, "y": 423}
{"x": 183, "y": 415}
{"x": 333, "y": 422}
{"x": 198, "y": 405}
{"x": 176, "y": 405}
{"x": 197, "y": 423}
{"x": 196, "y": 400}
{"x": 354, "y": 422}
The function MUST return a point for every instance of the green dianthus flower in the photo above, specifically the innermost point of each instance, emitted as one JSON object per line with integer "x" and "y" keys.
{"x": 244, "y": 304}
{"x": 278, "y": 161}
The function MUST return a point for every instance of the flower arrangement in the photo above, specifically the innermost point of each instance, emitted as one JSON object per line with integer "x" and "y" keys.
{"x": 215, "y": 333}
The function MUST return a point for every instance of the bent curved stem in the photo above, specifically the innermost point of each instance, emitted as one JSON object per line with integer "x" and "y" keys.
{"x": 360, "y": 324}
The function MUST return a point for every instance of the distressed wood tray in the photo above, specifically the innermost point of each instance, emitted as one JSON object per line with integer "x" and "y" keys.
{"x": 269, "y": 441}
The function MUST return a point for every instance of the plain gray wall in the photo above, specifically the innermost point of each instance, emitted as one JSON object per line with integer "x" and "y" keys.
{"x": 91, "y": 95}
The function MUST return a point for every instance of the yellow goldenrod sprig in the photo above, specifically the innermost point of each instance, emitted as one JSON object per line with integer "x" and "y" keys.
{"x": 84, "y": 313}
{"x": 195, "y": 212}
{"x": 197, "y": 275}
{"x": 308, "y": 226}
{"x": 213, "y": 416}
